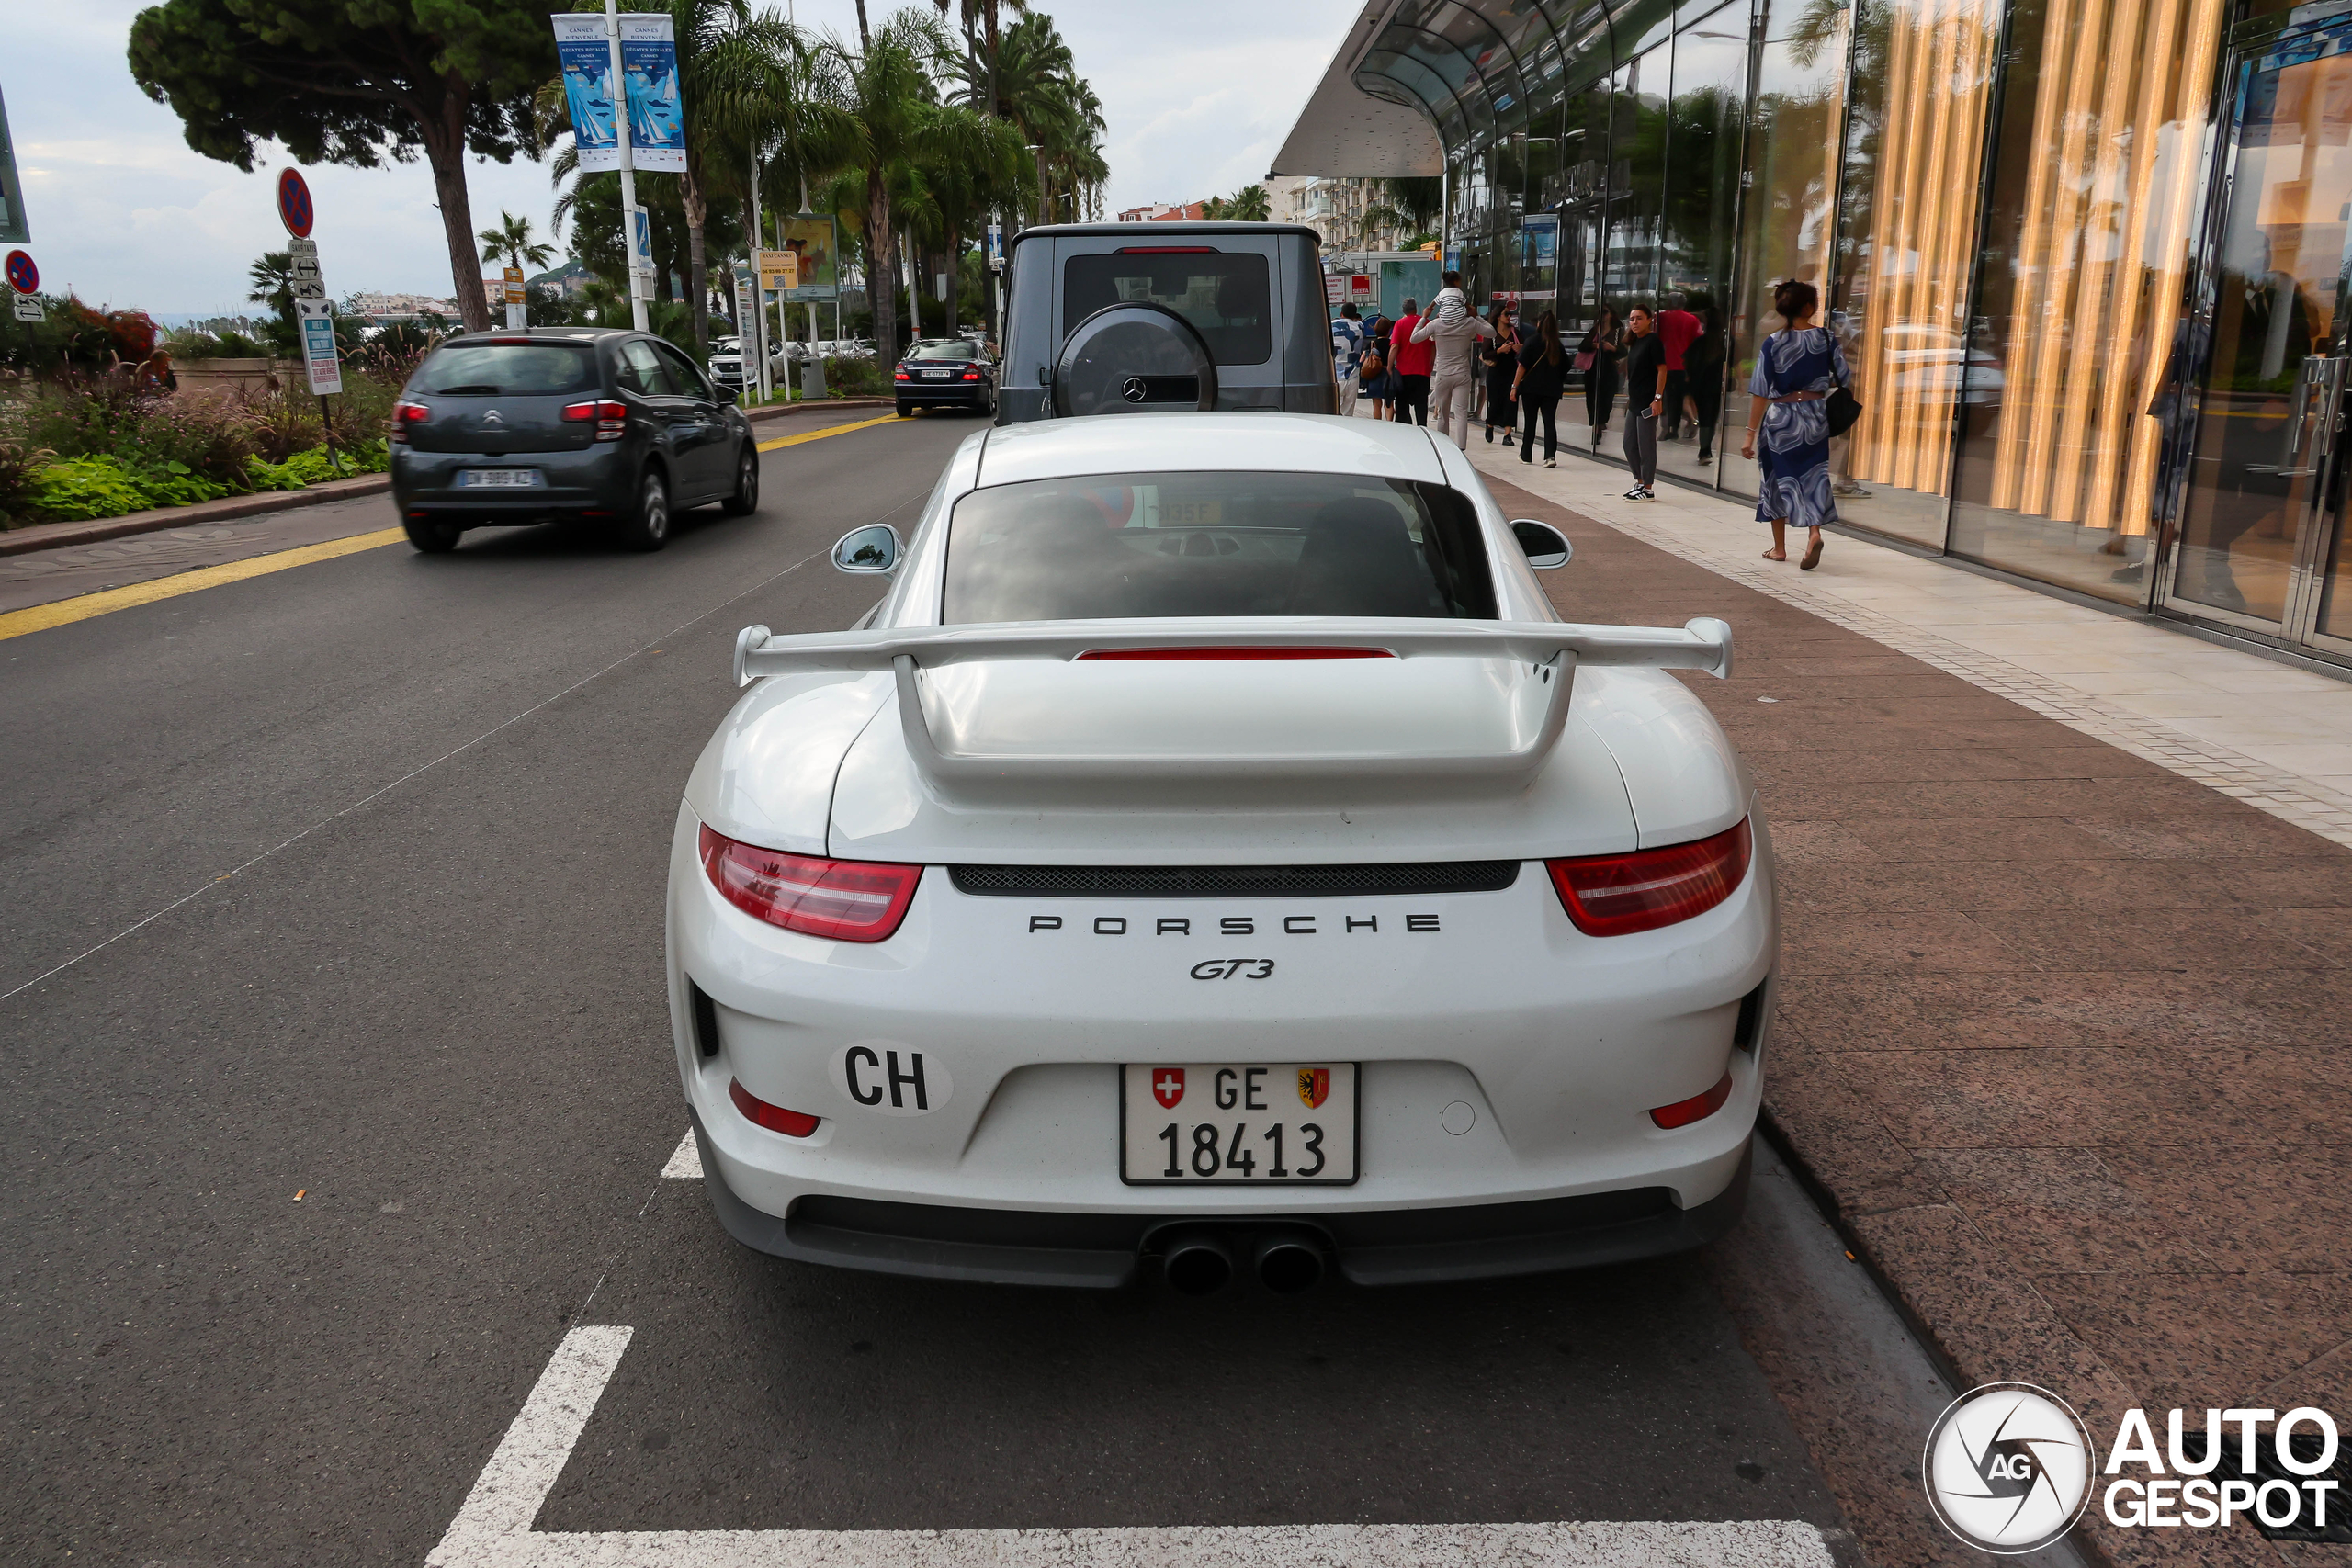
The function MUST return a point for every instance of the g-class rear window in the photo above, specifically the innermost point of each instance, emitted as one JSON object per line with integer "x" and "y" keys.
{"x": 1227, "y": 296}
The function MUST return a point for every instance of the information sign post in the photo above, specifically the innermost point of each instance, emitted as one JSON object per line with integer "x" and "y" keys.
{"x": 313, "y": 315}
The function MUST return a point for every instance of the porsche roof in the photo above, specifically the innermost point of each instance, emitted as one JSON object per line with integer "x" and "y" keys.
{"x": 1169, "y": 443}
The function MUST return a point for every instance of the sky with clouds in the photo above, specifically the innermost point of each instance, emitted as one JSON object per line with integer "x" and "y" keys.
{"x": 1197, "y": 98}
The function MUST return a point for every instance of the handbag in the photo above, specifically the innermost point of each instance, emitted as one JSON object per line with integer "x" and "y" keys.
{"x": 1585, "y": 358}
{"x": 1843, "y": 410}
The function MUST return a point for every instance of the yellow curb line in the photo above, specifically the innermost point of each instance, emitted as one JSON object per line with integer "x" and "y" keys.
{"x": 829, "y": 430}
{"x": 64, "y": 612}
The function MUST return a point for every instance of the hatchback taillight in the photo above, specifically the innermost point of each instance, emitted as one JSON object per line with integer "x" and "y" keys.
{"x": 1617, "y": 895}
{"x": 610, "y": 418}
{"x": 844, "y": 899}
{"x": 405, "y": 413}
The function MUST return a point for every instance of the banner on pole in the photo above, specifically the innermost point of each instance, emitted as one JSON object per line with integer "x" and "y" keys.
{"x": 316, "y": 319}
{"x": 586, "y": 56}
{"x": 810, "y": 237}
{"x": 657, "y": 119}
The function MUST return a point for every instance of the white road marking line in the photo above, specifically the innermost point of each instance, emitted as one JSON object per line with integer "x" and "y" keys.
{"x": 493, "y": 1529}
{"x": 507, "y": 1495}
{"x": 686, "y": 1164}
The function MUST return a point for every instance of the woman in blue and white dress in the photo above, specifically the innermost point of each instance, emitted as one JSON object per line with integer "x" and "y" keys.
{"x": 1796, "y": 369}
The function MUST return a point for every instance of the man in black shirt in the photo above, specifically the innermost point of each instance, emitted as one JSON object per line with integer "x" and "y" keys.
{"x": 1645, "y": 399}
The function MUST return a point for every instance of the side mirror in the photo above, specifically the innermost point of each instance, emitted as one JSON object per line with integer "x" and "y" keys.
{"x": 1546, "y": 548}
{"x": 872, "y": 548}
{"x": 727, "y": 395}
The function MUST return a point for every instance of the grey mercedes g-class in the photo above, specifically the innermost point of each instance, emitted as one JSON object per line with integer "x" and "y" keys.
{"x": 1148, "y": 318}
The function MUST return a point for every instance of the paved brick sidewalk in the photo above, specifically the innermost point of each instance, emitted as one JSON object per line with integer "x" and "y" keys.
{"x": 2061, "y": 1032}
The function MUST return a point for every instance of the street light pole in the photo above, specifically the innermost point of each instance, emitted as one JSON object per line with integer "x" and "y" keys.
{"x": 628, "y": 168}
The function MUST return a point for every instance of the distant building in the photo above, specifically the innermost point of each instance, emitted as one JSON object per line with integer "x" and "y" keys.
{"x": 567, "y": 280}
{"x": 1165, "y": 212}
{"x": 383, "y": 308}
{"x": 1350, "y": 214}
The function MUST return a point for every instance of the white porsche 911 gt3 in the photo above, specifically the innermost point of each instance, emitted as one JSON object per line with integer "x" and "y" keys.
{"x": 1213, "y": 854}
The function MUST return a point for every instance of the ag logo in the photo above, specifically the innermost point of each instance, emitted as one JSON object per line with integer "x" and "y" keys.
{"x": 1167, "y": 1087}
{"x": 1314, "y": 1087}
{"x": 2007, "y": 1468}
{"x": 1132, "y": 388}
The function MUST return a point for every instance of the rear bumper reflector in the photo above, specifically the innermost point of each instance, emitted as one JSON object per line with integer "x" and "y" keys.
{"x": 1698, "y": 1108}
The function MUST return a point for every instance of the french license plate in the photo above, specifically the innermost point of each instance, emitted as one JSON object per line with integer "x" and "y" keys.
{"x": 498, "y": 478}
{"x": 1237, "y": 1123}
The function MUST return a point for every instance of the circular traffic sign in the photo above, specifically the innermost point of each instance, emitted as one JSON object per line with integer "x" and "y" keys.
{"x": 23, "y": 277}
{"x": 294, "y": 202}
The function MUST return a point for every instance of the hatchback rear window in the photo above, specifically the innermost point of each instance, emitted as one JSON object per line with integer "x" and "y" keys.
{"x": 508, "y": 369}
{"x": 1225, "y": 294}
{"x": 1214, "y": 544}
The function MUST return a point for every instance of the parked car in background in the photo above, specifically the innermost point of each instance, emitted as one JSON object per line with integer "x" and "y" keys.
{"x": 727, "y": 362}
{"x": 945, "y": 372}
{"x": 619, "y": 427}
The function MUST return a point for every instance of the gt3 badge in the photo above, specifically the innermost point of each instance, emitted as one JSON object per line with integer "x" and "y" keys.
{"x": 1314, "y": 1087}
{"x": 1168, "y": 1087}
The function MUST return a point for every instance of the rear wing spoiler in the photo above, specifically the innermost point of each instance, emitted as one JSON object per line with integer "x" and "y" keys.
{"x": 1555, "y": 647}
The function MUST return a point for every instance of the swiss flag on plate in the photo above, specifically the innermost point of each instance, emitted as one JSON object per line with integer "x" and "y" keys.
{"x": 1167, "y": 1087}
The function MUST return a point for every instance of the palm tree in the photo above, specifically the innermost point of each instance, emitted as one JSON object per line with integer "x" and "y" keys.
{"x": 1251, "y": 204}
{"x": 892, "y": 98}
{"x": 1034, "y": 83}
{"x": 511, "y": 239}
{"x": 273, "y": 281}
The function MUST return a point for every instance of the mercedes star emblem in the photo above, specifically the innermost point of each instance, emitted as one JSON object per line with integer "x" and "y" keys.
{"x": 1132, "y": 388}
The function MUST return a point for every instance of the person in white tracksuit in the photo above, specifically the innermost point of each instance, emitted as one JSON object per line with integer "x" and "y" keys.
{"x": 1456, "y": 329}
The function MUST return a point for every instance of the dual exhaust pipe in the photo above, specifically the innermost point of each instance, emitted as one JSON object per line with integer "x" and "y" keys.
{"x": 1200, "y": 1260}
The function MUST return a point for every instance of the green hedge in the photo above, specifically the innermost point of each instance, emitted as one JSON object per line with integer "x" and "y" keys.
{"x": 94, "y": 486}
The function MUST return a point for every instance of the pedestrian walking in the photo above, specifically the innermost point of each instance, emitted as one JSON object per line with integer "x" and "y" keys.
{"x": 1375, "y": 382}
{"x": 1543, "y": 374}
{"x": 1645, "y": 399}
{"x": 1597, "y": 356}
{"x": 1703, "y": 365}
{"x": 1454, "y": 333}
{"x": 1347, "y": 357}
{"x": 1678, "y": 329}
{"x": 1499, "y": 355}
{"x": 1788, "y": 415}
{"x": 1411, "y": 362}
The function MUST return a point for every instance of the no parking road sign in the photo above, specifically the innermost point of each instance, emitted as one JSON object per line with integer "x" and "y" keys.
{"x": 24, "y": 277}
{"x": 294, "y": 202}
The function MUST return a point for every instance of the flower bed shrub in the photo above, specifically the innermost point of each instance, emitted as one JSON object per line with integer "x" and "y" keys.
{"x": 92, "y": 448}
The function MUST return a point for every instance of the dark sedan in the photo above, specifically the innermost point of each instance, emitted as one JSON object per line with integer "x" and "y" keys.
{"x": 946, "y": 372}
{"x": 611, "y": 427}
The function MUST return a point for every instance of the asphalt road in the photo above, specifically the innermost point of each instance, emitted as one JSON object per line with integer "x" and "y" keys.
{"x": 345, "y": 883}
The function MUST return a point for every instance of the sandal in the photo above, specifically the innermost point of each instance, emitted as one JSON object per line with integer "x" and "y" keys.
{"x": 1776, "y": 554}
{"x": 1812, "y": 557}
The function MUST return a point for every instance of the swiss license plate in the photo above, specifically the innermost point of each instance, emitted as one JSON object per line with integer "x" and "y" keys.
{"x": 498, "y": 479}
{"x": 1237, "y": 1123}
{"x": 937, "y": 374}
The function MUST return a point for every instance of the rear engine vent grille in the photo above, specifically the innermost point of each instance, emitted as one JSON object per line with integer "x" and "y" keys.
{"x": 1232, "y": 881}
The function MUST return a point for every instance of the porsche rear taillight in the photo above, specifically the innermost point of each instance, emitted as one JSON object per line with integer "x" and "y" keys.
{"x": 774, "y": 1118}
{"x": 1617, "y": 895}
{"x": 610, "y": 418}
{"x": 1698, "y": 1108}
{"x": 846, "y": 900}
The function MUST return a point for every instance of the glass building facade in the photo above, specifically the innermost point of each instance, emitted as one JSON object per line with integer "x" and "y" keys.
{"x": 2089, "y": 259}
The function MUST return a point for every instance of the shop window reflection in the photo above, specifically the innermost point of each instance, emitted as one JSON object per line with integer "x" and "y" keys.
{"x": 2064, "y": 462}
{"x": 1789, "y": 226}
{"x": 1922, "y": 78}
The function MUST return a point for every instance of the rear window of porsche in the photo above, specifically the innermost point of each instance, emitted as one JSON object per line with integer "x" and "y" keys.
{"x": 1214, "y": 544}
{"x": 1226, "y": 295}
